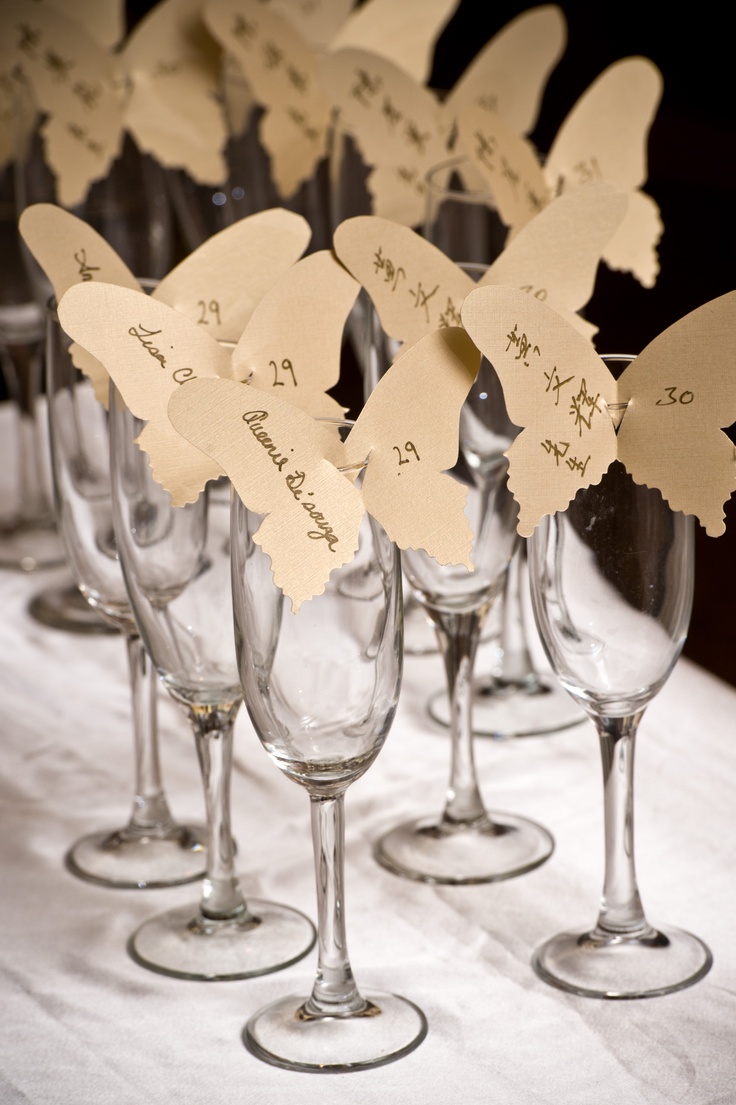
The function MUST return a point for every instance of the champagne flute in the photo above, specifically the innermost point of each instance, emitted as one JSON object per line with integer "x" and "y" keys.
{"x": 321, "y": 688}
{"x": 612, "y": 582}
{"x": 152, "y": 849}
{"x": 176, "y": 563}
{"x": 466, "y": 843}
{"x": 514, "y": 700}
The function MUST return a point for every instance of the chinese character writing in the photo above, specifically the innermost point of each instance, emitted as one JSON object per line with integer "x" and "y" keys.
{"x": 392, "y": 273}
{"x": 450, "y": 316}
{"x": 421, "y": 298}
{"x": 365, "y": 86}
{"x": 555, "y": 383}
{"x": 583, "y": 407}
{"x": 521, "y": 341}
{"x": 555, "y": 449}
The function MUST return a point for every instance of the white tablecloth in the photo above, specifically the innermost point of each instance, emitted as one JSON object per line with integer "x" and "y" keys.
{"x": 82, "y": 1024}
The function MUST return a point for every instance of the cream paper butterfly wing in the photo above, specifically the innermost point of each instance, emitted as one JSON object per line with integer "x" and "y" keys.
{"x": 292, "y": 342}
{"x": 556, "y": 388}
{"x": 680, "y": 391}
{"x": 408, "y": 434}
{"x": 415, "y": 287}
{"x": 150, "y": 351}
{"x": 605, "y": 136}
{"x": 274, "y": 454}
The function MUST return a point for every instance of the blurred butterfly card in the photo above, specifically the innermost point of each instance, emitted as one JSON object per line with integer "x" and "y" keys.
{"x": 662, "y": 418}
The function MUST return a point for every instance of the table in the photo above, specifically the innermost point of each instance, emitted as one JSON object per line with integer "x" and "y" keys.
{"x": 82, "y": 1024}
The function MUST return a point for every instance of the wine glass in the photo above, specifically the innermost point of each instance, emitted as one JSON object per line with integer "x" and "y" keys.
{"x": 152, "y": 849}
{"x": 176, "y": 563}
{"x": 612, "y": 582}
{"x": 466, "y": 843}
{"x": 514, "y": 700}
{"x": 321, "y": 688}
{"x": 28, "y": 539}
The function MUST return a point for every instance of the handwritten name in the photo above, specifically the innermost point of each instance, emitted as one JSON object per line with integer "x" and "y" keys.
{"x": 143, "y": 335}
{"x": 294, "y": 480}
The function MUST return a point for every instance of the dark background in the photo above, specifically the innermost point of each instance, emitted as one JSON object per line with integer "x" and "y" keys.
{"x": 692, "y": 176}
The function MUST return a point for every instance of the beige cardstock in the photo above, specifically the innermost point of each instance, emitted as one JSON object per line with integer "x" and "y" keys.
{"x": 416, "y": 288}
{"x": 275, "y": 456}
{"x": 509, "y": 75}
{"x": 103, "y": 20}
{"x": 71, "y": 78}
{"x": 603, "y": 138}
{"x": 401, "y": 128}
{"x": 173, "y": 111}
{"x": 395, "y": 122}
{"x": 272, "y": 453}
{"x": 680, "y": 390}
{"x": 403, "y": 32}
{"x": 292, "y": 343}
{"x": 408, "y": 432}
{"x": 317, "y": 21}
{"x": 150, "y": 351}
{"x": 217, "y": 286}
{"x": 283, "y": 71}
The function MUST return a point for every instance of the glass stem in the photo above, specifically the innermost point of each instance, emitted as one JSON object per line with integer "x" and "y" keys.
{"x": 334, "y": 993}
{"x": 458, "y": 636}
{"x": 621, "y": 911}
{"x": 222, "y": 898}
{"x": 517, "y": 669}
{"x": 150, "y": 814}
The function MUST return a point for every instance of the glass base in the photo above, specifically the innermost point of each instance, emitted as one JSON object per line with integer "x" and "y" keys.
{"x": 183, "y": 943}
{"x": 29, "y": 546}
{"x": 598, "y": 965}
{"x": 390, "y": 1028}
{"x": 66, "y": 608}
{"x": 128, "y": 860}
{"x": 507, "y": 710}
{"x": 429, "y": 850}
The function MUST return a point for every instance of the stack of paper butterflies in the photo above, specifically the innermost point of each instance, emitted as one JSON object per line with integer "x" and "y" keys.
{"x": 229, "y": 362}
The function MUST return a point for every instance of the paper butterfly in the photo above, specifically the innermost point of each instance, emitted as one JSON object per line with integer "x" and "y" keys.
{"x": 416, "y": 288}
{"x": 276, "y": 459}
{"x": 674, "y": 397}
{"x": 218, "y": 286}
{"x": 402, "y": 129}
{"x": 603, "y": 138}
{"x": 291, "y": 346}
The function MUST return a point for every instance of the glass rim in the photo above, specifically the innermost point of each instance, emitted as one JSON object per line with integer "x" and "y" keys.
{"x": 454, "y": 194}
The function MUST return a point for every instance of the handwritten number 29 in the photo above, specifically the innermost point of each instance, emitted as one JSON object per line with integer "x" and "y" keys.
{"x": 409, "y": 447}
{"x": 205, "y": 309}
{"x": 286, "y": 366}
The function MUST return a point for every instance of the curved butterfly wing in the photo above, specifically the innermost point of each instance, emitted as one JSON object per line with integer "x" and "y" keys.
{"x": 404, "y": 33}
{"x": 510, "y": 73}
{"x": 414, "y": 286}
{"x": 394, "y": 121}
{"x": 680, "y": 391}
{"x": 555, "y": 257}
{"x": 273, "y": 454}
{"x": 220, "y": 284}
{"x": 292, "y": 343}
{"x": 408, "y": 432}
{"x": 605, "y": 136}
{"x": 556, "y": 388}
{"x": 150, "y": 351}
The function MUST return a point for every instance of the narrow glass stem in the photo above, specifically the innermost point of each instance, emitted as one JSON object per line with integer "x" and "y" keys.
{"x": 517, "y": 669}
{"x": 23, "y": 372}
{"x": 222, "y": 898}
{"x": 621, "y": 911}
{"x": 458, "y": 636}
{"x": 150, "y": 809}
{"x": 334, "y": 993}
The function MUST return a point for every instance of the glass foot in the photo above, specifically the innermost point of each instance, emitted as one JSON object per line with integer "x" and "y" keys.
{"x": 506, "y": 710}
{"x": 29, "y": 546}
{"x": 66, "y": 608}
{"x": 598, "y": 965}
{"x": 128, "y": 860}
{"x": 183, "y": 943}
{"x": 390, "y": 1028}
{"x": 429, "y": 850}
